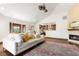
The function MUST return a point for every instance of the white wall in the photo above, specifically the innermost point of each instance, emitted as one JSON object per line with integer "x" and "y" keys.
{"x": 4, "y": 25}
{"x": 61, "y": 26}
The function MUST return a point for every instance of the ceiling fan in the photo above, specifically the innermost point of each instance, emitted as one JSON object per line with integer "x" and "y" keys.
{"x": 43, "y": 8}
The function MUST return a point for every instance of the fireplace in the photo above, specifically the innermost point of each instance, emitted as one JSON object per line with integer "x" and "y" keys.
{"x": 74, "y": 37}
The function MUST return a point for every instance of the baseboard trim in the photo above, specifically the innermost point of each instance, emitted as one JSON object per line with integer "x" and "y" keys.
{"x": 56, "y": 38}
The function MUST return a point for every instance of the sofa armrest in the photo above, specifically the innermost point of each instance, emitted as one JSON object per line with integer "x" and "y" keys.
{"x": 9, "y": 45}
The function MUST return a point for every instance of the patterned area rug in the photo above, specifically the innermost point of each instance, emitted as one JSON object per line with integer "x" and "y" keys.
{"x": 48, "y": 48}
{"x": 53, "y": 49}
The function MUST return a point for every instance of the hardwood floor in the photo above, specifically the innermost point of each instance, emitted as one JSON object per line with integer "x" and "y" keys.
{"x": 6, "y": 53}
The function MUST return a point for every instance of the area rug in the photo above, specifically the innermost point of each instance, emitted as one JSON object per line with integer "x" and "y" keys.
{"x": 53, "y": 49}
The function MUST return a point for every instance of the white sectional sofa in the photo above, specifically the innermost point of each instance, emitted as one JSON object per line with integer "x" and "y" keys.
{"x": 16, "y": 46}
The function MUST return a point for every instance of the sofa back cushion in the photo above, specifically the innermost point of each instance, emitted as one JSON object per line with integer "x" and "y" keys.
{"x": 15, "y": 37}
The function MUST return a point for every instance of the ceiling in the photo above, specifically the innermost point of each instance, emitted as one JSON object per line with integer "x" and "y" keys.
{"x": 63, "y": 8}
{"x": 26, "y": 11}
{"x": 29, "y": 12}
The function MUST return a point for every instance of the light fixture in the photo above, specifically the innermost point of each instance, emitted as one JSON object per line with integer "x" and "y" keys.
{"x": 43, "y": 8}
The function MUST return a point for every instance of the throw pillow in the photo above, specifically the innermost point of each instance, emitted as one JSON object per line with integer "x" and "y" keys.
{"x": 26, "y": 37}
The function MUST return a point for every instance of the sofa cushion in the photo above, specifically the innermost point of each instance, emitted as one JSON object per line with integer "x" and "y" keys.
{"x": 14, "y": 36}
{"x": 25, "y": 45}
{"x": 38, "y": 36}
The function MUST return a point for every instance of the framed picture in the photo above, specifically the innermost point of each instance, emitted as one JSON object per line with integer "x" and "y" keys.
{"x": 48, "y": 26}
{"x": 23, "y": 28}
{"x": 53, "y": 26}
{"x": 17, "y": 28}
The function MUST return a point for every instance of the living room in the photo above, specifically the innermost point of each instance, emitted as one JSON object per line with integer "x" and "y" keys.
{"x": 53, "y": 28}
